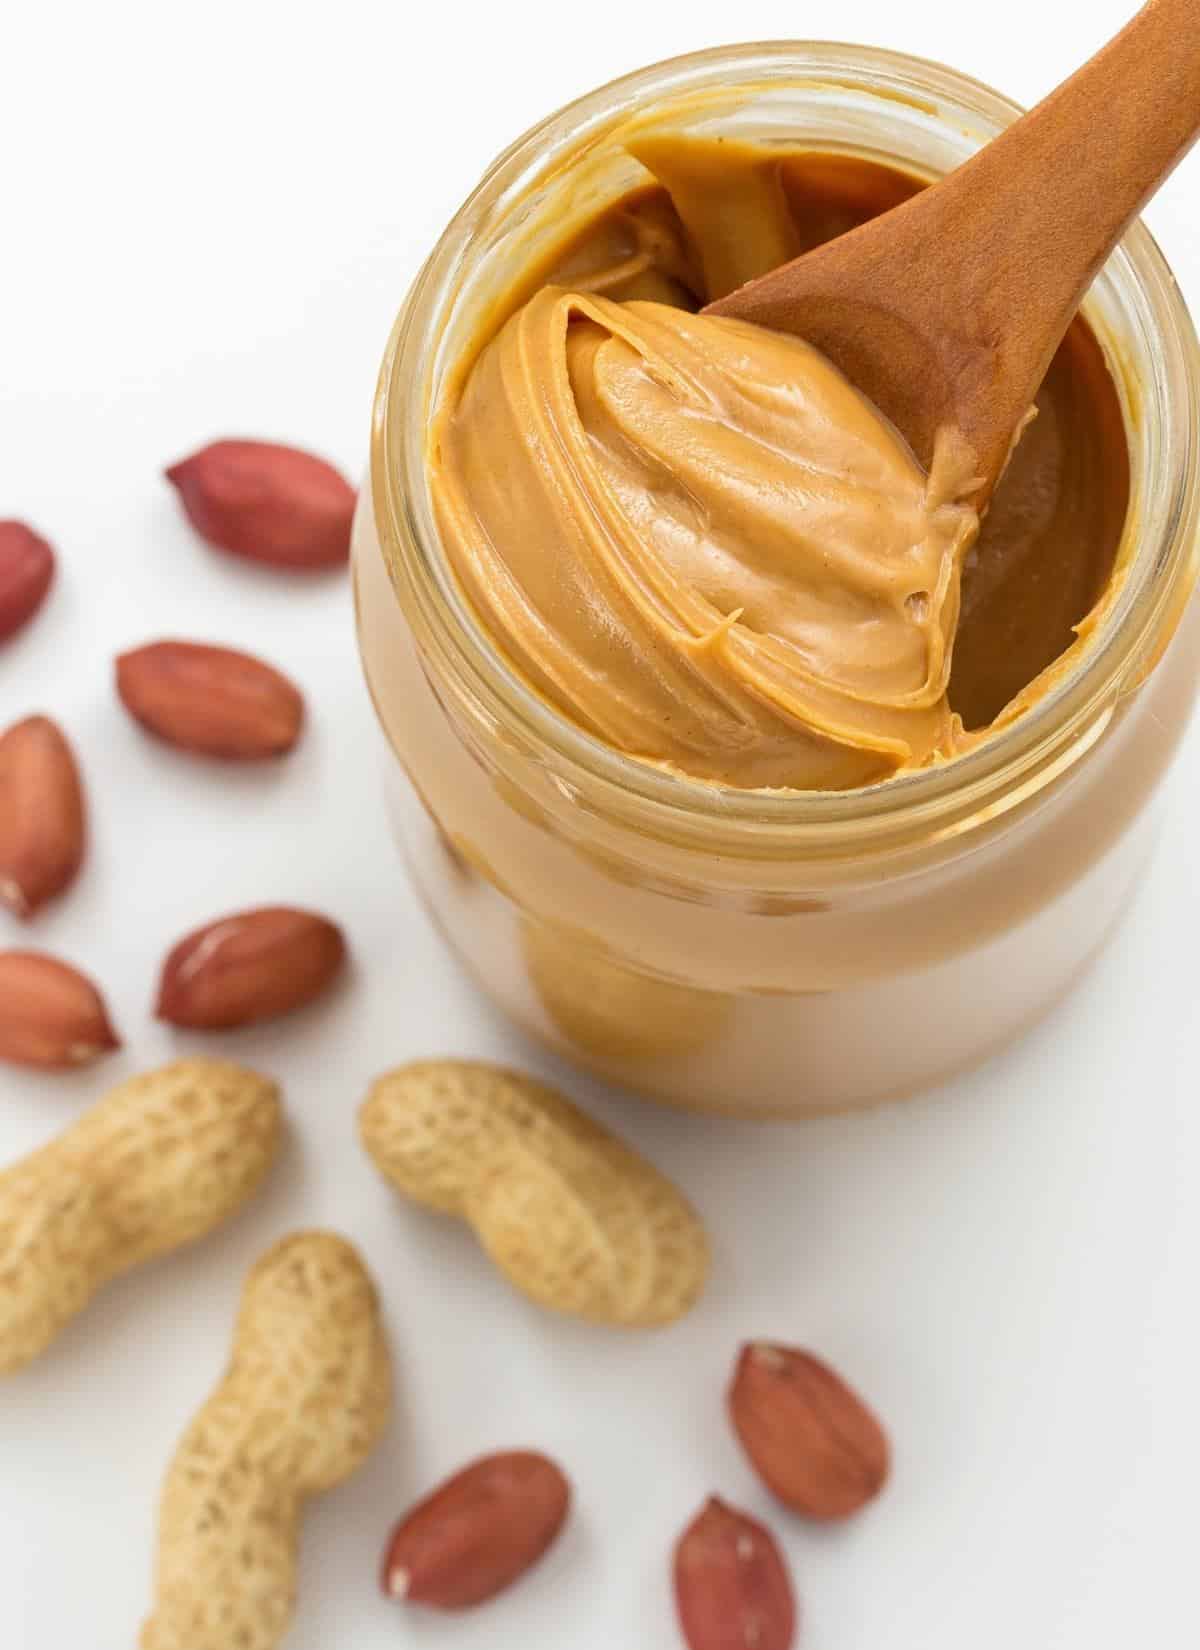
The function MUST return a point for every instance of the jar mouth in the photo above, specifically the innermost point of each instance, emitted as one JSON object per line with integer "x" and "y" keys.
{"x": 1136, "y": 310}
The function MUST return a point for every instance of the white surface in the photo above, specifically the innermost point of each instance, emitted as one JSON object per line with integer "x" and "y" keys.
{"x": 210, "y": 216}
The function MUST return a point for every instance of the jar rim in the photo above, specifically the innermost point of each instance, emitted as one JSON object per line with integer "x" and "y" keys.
{"x": 1012, "y": 762}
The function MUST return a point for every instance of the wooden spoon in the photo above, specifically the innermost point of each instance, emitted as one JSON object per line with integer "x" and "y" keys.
{"x": 947, "y": 310}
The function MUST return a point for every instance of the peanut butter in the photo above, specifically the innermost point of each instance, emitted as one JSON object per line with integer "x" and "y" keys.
{"x": 697, "y": 540}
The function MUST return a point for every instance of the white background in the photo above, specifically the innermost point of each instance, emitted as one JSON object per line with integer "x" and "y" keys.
{"x": 209, "y": 217}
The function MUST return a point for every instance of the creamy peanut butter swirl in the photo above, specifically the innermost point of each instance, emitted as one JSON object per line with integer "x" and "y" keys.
{"x": 701, "y": 543}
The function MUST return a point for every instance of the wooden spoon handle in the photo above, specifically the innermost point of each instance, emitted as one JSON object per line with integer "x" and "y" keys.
{"x": 1016, "y": 236}
{"x": 1047, "y": 210}
{"x": 948, "y": 310}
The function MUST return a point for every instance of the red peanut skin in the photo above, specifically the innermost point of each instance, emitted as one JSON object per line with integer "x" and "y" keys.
{"x": 248, "y": 967}
{"x": 211, "y": 701}
{"x": 477, "y": 1534}
{"x": 70, "y": 1028}
{"x": 27, "y": 566}
{"x": 42, "y": 815}
{"x": 812, "y": 1440}
{"x": 732, "y": 1587}
{"x": 268, "y": 503}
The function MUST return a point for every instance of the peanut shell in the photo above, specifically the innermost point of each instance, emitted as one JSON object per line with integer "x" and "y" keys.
{"x": 161, "y": 1161}
{"x": 571, "y": 1216}
{"x": 304, "y": 1400}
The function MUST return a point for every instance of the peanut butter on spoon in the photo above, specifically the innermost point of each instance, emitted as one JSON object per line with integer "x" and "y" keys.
{"x": 700, "y": 540}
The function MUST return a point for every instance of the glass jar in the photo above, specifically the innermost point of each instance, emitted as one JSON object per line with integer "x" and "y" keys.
{"x": 770, "y": 953}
